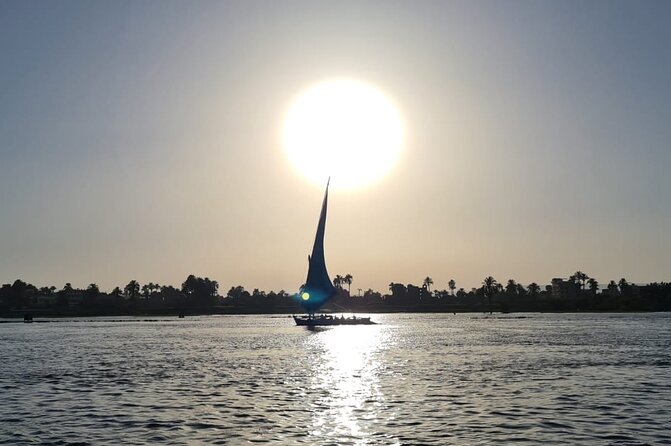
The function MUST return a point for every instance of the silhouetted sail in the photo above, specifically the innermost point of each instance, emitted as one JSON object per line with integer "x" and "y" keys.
{"x": 318, "y": 287}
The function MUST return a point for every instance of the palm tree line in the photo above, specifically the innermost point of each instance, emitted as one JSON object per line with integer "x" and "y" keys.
{"x": 339, "y": 281}
{"x": 491, "y": 294}
{"x": 491, "y": 287}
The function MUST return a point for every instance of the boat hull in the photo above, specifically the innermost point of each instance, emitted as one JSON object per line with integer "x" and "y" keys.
{"x": 328, "y": 320}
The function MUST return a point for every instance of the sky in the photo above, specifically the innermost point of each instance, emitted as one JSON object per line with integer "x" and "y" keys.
{"x": 142, "y": 140}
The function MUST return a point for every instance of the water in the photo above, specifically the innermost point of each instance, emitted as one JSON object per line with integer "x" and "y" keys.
{"x": 414, "y": 379}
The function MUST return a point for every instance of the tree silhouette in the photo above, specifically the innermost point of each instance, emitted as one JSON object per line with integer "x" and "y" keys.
{"x": 624, "y": 286}
{"x": 580, "y": 278}
{"x": 203, "y": 291}
{"x": 398, "y": 292}
{"x": 338, "y": 281}
{"x": 593, "y": 285}
{"x": 47, "y": 291}
{"x": 489, "y": 286}
{"x": 452, "y": 285}
{"x": 132, "y": 289}
{"x": 428, "y": 281}
{"x": 348, "y": 280}
{"x": 441, "y": 294}
{"x": 149, "y": 289}
{"x": 92, "y": 290}
{"x": 18, "y": 294}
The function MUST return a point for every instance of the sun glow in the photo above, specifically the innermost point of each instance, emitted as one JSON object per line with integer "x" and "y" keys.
{"x": 345, "y": 129}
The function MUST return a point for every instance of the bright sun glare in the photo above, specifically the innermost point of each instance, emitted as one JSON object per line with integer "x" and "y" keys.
{"x": 343, "y": 128}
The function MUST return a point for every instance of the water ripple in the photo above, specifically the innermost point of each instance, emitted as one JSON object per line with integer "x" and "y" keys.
{"x": 414, "y": 379}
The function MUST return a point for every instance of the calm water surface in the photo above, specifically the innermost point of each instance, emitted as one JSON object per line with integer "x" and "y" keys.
{"x": 413, "y": 379}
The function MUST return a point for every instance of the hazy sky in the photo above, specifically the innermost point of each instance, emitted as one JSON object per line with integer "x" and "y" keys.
{"x": 141, "y": 140}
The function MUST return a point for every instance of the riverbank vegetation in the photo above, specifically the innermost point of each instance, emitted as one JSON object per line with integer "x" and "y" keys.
{"x": 198, "y": 295}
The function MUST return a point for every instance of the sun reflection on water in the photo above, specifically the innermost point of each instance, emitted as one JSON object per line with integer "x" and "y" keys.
{"x": 345, "y": 381}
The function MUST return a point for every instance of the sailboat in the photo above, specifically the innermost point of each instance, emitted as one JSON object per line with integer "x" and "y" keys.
{"x": 318, "y": 288}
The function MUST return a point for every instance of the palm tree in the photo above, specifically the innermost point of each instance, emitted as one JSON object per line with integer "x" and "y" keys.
{"x": 132, "y": 289}
{"x": 489, "y": 286}
{"x": 452, "y": 285}
{"x": 428, "y": 281}
{"x": 612, "y": 287}
{"x": 533, "y": 288}
{"x": 593, "y": 285}
{"x": 348, "y": 280}
{"x": 338, "y": 281}
{"x": 511, "y": 287}
{"x": 580, "y": 278}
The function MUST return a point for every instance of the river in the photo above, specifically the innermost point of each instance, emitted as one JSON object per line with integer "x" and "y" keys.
{"x": 593, "y": 379}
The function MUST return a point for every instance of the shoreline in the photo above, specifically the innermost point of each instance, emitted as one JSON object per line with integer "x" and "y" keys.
{"x": 170, "y": 316}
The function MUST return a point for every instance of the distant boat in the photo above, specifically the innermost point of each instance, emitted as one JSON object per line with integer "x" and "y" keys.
{"x": 318, "y": 288}
{"x": 312, "y": 320}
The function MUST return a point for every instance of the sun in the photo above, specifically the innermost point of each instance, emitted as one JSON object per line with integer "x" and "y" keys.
{"x": 345, "y": 129}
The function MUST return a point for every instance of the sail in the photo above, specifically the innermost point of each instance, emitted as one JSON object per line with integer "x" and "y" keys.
{"x": 318, "y": 287}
